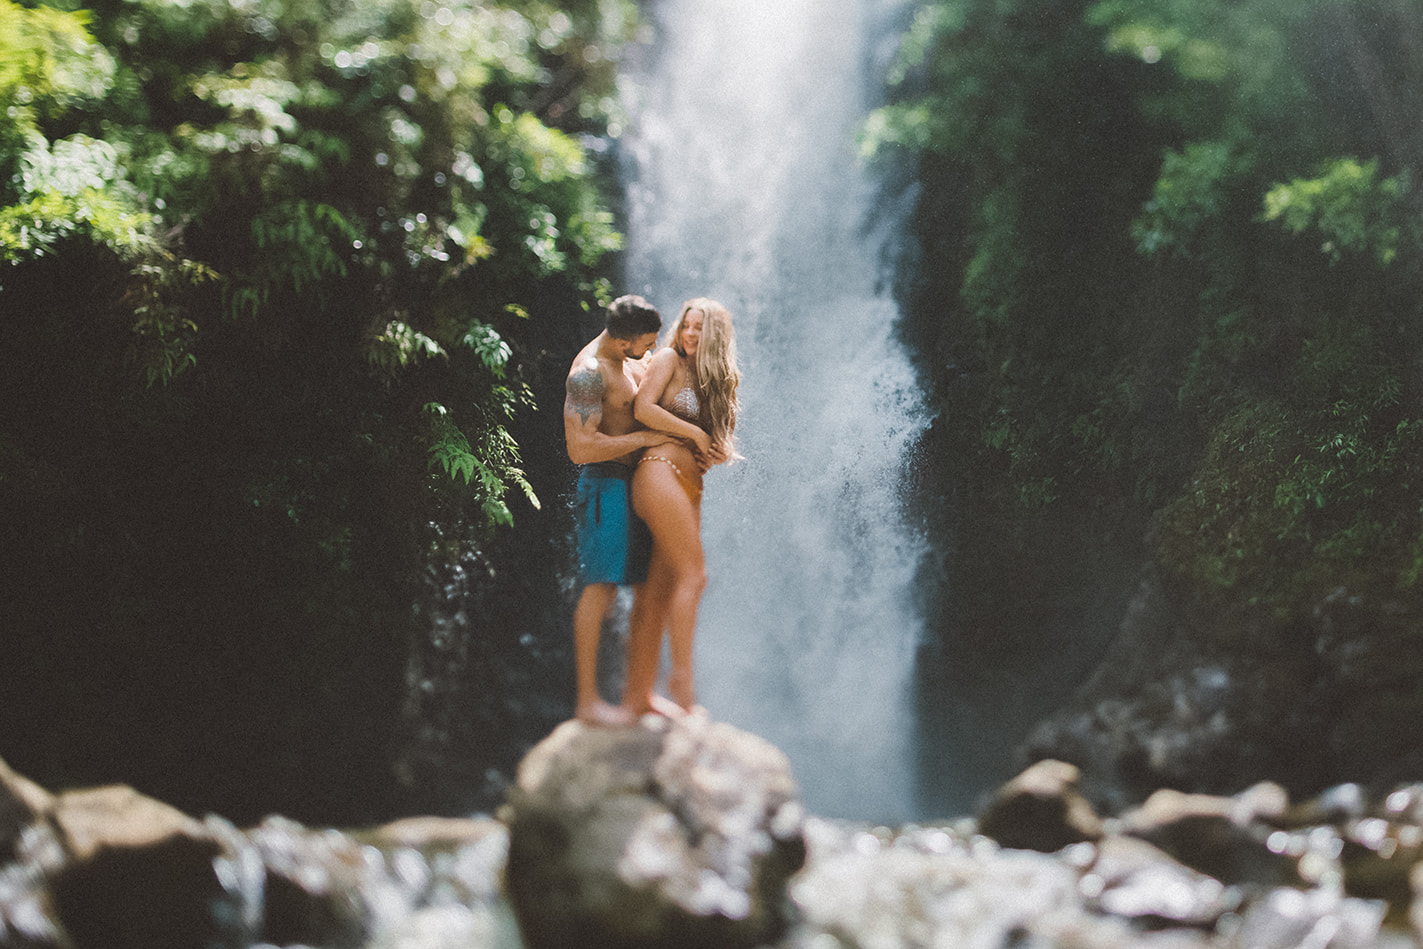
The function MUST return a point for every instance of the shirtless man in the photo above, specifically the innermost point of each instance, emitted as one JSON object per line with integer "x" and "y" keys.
{"x": 603, "y": 437}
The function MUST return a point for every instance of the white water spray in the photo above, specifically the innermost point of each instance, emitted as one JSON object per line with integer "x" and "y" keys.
{"x": 743, "y": 185}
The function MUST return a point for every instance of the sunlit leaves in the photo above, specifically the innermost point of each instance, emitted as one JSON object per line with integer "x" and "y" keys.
{"x": 399, "y": 345}
{"x": 490, "y": 347}
{"x": 386, "y": 183}
{"x": 1172, "y": 248}
{"x": 70, "y": 189}
{"x": 48, "y": 61}
{"x": 1189, "y": 197}
{"x": 491, "y": 463}
{"x": 1350, "y": 210}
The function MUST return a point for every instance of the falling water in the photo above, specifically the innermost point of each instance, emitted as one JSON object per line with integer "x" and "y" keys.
{"x": 744, "y": 185}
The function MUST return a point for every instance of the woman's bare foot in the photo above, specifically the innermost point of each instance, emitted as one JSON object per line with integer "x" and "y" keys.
{"x": 656, "y": 704}
{"x": 603, "y": 715}
{"x": 661, "y": 705}
{"x": 679, "y": 684}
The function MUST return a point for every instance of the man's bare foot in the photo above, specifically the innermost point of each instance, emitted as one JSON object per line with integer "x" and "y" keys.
{"x": 603, "y": 715}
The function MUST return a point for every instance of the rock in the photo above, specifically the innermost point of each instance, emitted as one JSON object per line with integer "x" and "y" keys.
{"x": 1205, "y": 695}
{"x": 461, "y": 860}
{"x": 1210, "y": 834}
{"x": 664, "y": 834}
{"x": 428, "y": 834}
{"x": 138, "y": 875}
{"x": 864, "y": 887}
{"x": 1377, "y": 858}
{"x": 1335, "y": 805}
{"x": 22, "y": 804}
{"x": 1132, "y": 879}
{"x": 1041, "y": 809}
{"x": 939, "y": 888}
{"x": 313, "y": 887}
{"x": 1290, "y": 919}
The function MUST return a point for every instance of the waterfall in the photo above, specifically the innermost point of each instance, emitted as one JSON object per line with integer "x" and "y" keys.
{"x": 743, "y": 184}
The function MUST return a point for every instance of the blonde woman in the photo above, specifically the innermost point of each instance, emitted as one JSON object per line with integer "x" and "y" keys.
{"x": 689, "y": 391}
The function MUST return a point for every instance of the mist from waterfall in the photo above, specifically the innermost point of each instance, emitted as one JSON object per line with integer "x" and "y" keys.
{"x": 743, "y": 184}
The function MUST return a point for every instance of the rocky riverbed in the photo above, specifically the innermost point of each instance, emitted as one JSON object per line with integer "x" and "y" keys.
{"x": 690, "y": 834}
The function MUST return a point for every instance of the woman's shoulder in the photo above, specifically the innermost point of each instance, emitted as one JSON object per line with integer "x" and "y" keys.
{"x": 666, "y": 356}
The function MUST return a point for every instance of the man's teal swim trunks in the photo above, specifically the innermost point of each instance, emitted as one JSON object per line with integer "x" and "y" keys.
{"x": 613, "y": 543}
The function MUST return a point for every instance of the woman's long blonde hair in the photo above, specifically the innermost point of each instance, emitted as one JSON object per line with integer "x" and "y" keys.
{"x": 715, "y": 374}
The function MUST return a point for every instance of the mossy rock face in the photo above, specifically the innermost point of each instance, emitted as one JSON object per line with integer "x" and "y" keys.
{"x": 1200, "y": 697}
{"x": 1284, "y": 509}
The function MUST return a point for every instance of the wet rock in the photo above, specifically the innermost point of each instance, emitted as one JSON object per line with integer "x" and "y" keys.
{"x": 26, "y": 916}
{"x": 1334, "y": 805}
{"x": 1211, "y": 834}
{"x": 1404, "y": 804}
{"x": 446, "y": 860}
{"x": 22, "y": 804}
{"x": 1134, "y": 880}
{"x": 314, "y": 886}
{"x": 662, "y": 834}
{"x": 1041, "y": 809}
{"x": 931, "y": 888}
{"x": 138, "y": 873}
{"x": 1377, "y": 858}
{"x": 1206, "y": 696}
{"x": 1291, "y": 919}
{"x": 428, "y": 834}
{"x": 940, "y": 888}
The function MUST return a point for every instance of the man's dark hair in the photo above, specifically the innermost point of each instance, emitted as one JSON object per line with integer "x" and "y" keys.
{"x": 631, "y": 316}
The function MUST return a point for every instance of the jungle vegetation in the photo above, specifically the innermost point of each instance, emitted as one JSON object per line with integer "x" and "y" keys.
{"x": 279, "y": 279}
{"x": 1170, "y": 281}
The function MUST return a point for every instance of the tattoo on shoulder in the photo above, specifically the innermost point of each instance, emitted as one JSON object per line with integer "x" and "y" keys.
{"x": 585, "y": 392}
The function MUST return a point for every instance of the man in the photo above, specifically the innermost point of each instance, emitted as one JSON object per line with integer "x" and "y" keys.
{"x": 603, "y": 437}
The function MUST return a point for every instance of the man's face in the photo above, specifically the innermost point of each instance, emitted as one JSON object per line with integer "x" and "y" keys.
{"x": 638, "y": 346}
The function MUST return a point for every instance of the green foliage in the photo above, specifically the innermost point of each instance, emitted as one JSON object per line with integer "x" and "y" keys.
{"x": 1189, "y": 198}
{"x": 1350, "y": 211}
{"x": 1172, "y": 255}
{"x": 1286, "y": 506}
{"x": 246, "y": 245}
{"x": 491, "y": 463}
{"x": 389, "y": 181}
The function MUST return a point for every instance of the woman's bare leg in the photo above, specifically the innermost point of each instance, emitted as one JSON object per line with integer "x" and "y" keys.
{"x": 675, "y": 521}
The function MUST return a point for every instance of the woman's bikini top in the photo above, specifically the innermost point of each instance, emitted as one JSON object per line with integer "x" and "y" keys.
{"x": 686, "y": 405}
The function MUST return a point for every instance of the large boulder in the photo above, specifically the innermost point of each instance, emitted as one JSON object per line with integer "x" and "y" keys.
{"x": 1041, "y": 809}
{"x": 1220, "y": 836}
{"x": 137, "y": 873}
{"x": 663, "y": 834}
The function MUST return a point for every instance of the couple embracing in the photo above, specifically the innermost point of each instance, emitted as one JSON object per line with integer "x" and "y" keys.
{"x": 645, "y": 430}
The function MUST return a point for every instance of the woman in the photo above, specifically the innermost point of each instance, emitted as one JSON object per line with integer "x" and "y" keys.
{"x": 689, "y": 390}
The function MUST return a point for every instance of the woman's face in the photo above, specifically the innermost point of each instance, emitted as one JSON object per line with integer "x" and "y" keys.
{"x": 691, "y": 335}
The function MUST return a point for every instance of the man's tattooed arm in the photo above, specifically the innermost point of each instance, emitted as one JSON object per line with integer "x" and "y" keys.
{"x": 585, "y": 395}
{"x": 583, "y": 419}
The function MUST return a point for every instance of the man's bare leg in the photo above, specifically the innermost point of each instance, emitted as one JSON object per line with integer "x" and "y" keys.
{"x": 593, "y": 606}
{"x": 649, "y": 610}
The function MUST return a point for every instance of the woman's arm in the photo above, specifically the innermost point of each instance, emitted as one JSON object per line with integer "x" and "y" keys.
{"x": 645, "y": 407}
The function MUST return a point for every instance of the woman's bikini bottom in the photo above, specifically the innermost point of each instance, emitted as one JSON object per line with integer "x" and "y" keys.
{"x": 693, "y": 488}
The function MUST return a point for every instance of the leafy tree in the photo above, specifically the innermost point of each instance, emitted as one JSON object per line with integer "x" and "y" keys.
{"x": 279, "y": 281}
{"x": 1170, "y": 254}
